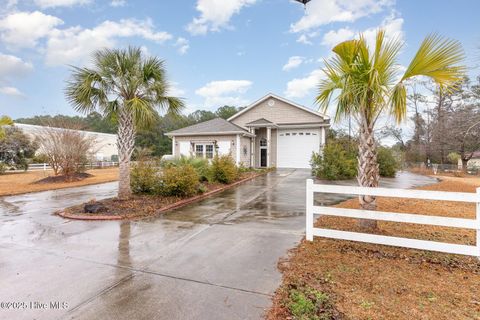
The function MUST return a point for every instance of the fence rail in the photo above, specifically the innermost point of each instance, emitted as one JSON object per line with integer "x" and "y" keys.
{"x": 46, "y": 166}
{"x": 474, "y": 224}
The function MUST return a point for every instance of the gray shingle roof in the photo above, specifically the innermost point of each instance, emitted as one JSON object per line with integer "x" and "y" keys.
{"x": 213, "y": 127}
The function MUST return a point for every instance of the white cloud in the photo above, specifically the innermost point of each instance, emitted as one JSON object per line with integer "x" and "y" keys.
{"x": 11, "y": 66}
{"x": 293, "y": 62}
{"x": 321, "y": 12}
{"x": 391, "y": 24}
{"x": 11, "y": 91}
{"x": 217, "y": 93}
{"x": 118, "y": 3}
{"x": 175, "y": 91}
{"x": 334, "y": 37}
{"x": 183, "y": 45}
{"x": 24, "y": 29}
{"x": 304, "y": 39}
{"x": 60, "y": 3}
{"x": 215, "y": 14}
{"x": 76, "y": 44}
{"x": 301, "y": 87}
{"x": 393, "y": 29}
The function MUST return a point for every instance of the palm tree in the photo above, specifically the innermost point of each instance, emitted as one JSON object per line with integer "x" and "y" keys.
{"x": 367, "y": 85}
{"x": 127, "y": 87}
{"x": 4, "y": 121}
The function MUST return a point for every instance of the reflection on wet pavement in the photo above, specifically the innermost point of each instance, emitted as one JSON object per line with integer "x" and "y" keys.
{"x": 213, "y": 259}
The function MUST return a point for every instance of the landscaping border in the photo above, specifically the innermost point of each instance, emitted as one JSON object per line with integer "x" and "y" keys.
{"x": 169, "y": 207}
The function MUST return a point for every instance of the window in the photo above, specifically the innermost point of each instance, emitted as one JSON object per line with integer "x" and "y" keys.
{"x": 300, "y": 134}
{"x": 209, "y": 151}
{"x": 199, "y": 150}
{"x": 263, "y": 142}
{"x": 204, "y": 151}
{"x": 287, "y": 134}
{"x": 294, "y": 133}
{"x": 307, "y": 133}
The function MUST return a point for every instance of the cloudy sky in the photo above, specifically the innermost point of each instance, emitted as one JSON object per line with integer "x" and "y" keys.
{"x": 217, "y": 51}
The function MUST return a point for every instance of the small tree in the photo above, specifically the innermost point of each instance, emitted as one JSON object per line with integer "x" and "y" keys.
{"x": 366, "y": 85}
{"x": 453, "y": 157}
{"x": 16, "y": 148}
{"x": 4, "y": 121}
{"x": 66, "y": 150}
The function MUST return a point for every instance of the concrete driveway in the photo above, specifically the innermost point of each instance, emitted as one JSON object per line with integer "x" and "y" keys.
{"x": 215, "y": 259}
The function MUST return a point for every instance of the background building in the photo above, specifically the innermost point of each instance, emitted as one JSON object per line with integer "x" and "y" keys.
{"x": 105, "y": 148}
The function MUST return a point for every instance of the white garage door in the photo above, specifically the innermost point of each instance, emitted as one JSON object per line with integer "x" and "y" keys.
{"x": 295, "y": 147}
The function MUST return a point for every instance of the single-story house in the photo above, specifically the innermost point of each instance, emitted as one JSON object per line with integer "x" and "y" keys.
{"x": 104, "y": 144}
{"x": 270, "y": 132}
{"x": 473, "y": 163}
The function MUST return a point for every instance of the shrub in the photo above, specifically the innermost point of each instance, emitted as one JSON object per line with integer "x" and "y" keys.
{"x": 3, "y": 167}
{"x": 334, "y": 163}
{"x": 453, "y": 157}
{"x": 386, "y": 161}
{"x": 224, "y": 169}
{"x": 40, "y": 158}
{"x": 308, "y": 303}
{"x": 201, "y": 166}
{"x": 181, "y": 180}
{"x": 144, "y": 177}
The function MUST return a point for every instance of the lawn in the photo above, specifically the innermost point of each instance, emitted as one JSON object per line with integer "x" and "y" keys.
{"x": 23, "y": 182}
{"x": 334, "y": 279}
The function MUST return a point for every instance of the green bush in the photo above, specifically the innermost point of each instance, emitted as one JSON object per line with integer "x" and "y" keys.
{"x": 224, "y": 169}
{"x": 181, "y": 181}
{"x": 40, "y": 158}
{"x": 386, "y": 161}
{"x": 334, "y": 163}
{"x": 144, "y": 177}
{"x": 201, "y": 166}
{"x": 308, "y": 303}
{"x": 3, "y": 167}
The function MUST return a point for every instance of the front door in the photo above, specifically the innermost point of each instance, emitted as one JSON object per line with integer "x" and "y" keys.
{"x": 263, "y": 157}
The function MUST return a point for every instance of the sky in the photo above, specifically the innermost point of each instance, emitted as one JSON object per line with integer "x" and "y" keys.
{"x": 216, "y": 52}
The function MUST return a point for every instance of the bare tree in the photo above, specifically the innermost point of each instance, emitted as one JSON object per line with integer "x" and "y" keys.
{"x": 67, "y": 150}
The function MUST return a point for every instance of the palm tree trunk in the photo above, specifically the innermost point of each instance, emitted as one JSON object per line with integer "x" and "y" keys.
{"x": 368, "y": 171}
{"x": 125, "y": 144}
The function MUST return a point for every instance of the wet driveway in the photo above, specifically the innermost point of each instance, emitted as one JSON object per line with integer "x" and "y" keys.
{"x": 215, "y": 259}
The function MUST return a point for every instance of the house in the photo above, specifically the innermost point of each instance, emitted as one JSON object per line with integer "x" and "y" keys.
{"x": 473, "y": 162}
{"x": 105, "y": 144}
{"x": 271, "y": 132}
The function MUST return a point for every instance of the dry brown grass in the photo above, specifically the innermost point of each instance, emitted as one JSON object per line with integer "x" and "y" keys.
{"x": 24, "y": 182}
{"x": 368, "y": 281}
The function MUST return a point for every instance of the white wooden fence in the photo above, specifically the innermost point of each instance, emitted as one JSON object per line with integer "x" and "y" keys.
{"x": 46, "y": 166}
{"x": 473, "y": 224}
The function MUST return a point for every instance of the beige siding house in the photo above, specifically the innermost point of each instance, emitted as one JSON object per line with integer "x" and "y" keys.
{"x": 271, "y": 132}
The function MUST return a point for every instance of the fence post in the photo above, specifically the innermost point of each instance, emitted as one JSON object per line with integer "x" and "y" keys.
{"x": 478, "y": 223}
{"x": 309, "y": 211}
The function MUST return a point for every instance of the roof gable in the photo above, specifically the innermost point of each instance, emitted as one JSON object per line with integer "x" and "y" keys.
{"x": 271, "y": 95}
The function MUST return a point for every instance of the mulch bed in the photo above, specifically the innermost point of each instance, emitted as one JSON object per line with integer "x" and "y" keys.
{"x": 141, "y": 206}
{"x": 62, "y": 179}
{"x": 367, "y": 281}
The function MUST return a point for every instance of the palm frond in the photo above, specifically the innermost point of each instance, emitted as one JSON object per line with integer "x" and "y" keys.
{"x": 440, "y": 59}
